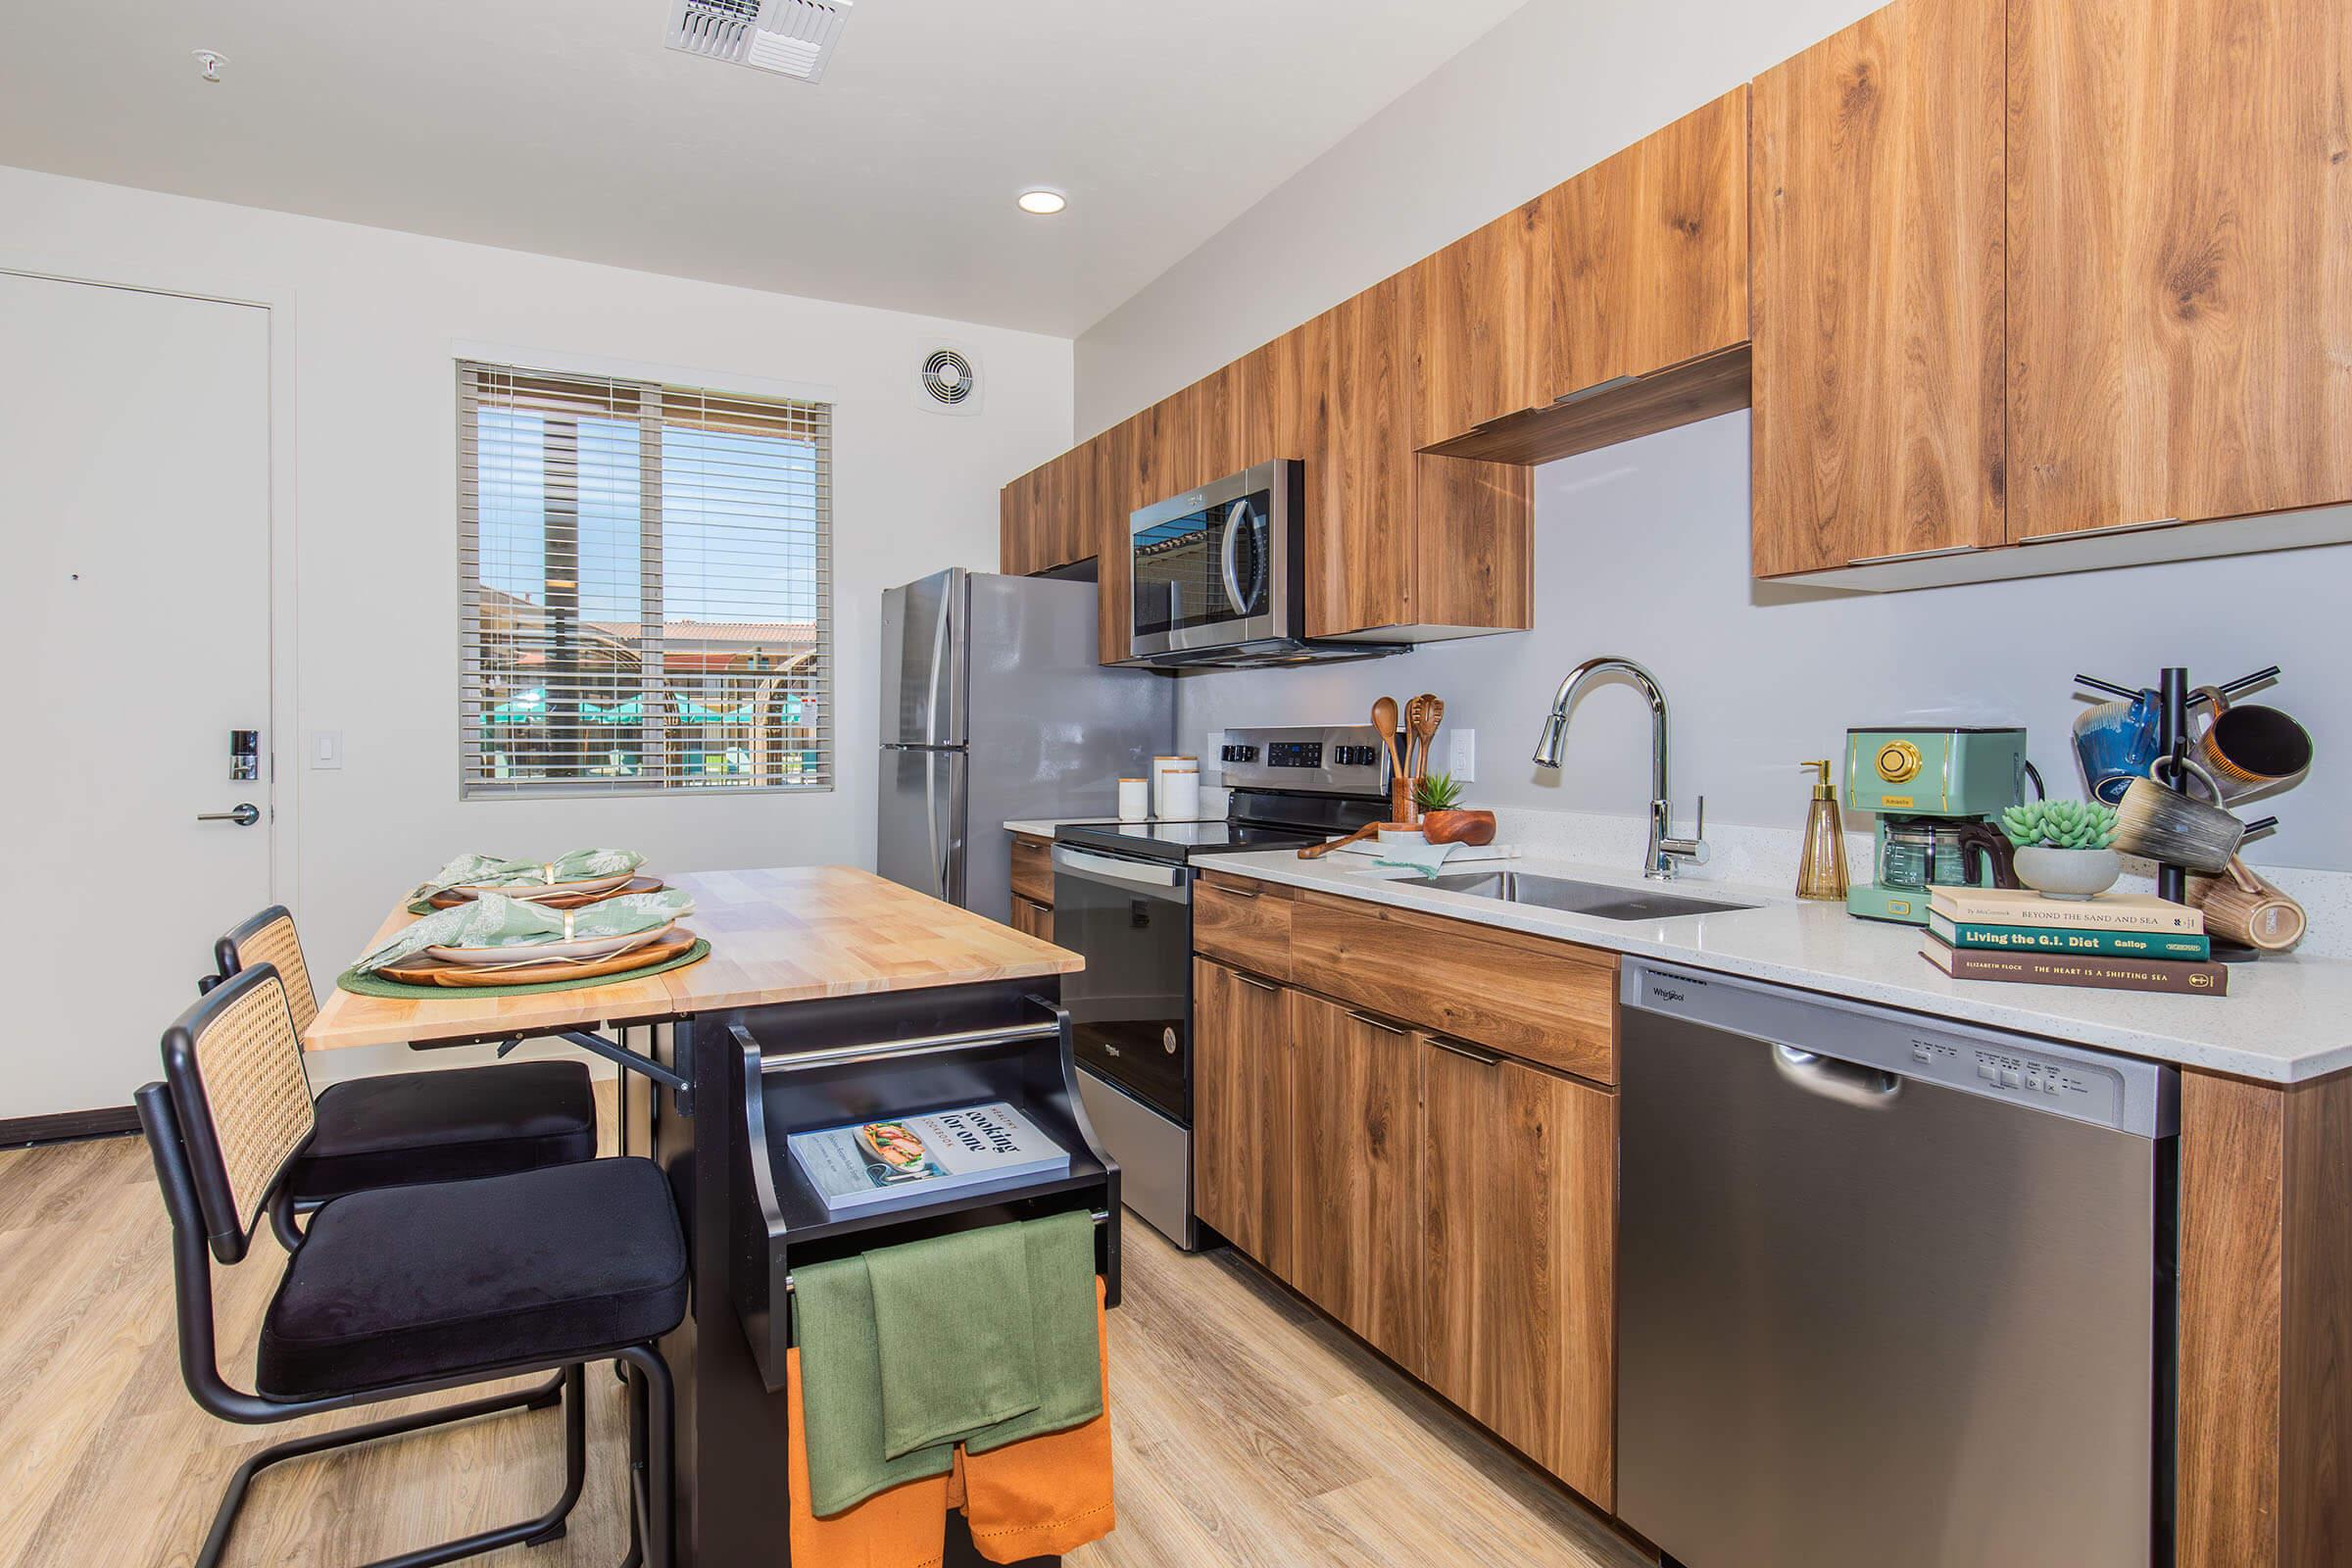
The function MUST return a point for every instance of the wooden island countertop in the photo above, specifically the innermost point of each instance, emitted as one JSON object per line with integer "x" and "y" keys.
{"x": 777, "y": 935}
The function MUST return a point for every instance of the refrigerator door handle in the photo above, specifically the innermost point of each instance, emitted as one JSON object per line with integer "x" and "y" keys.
{"x": 938, "y": 867}
{"x": 938, "y": 660}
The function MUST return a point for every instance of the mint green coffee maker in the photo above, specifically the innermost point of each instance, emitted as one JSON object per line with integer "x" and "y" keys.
{"x": 1933, "y": 795}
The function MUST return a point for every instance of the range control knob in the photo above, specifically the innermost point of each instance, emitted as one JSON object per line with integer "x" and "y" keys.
{"x": 1898, "y": 761}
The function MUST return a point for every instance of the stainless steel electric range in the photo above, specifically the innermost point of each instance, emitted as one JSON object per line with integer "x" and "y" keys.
{"x": 1123, "y": 897}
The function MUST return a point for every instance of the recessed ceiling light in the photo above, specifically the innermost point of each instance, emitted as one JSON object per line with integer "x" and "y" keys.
{"x": 1043, "y": 200}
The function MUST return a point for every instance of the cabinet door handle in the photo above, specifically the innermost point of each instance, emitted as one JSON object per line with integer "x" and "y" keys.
{"x": 1485, "y": 1058}
{"x": 2104, "y": 527}
{"x": 1911, "y": 555}
{"x": 1255, "y": 985}
{"x": 1235, "y": 893}
{"x": 1569, "y": 400}
{"x": 1381, "y": 1024}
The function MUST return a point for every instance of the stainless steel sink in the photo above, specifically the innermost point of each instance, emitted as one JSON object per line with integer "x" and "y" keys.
{"x": 1595, "y": 899}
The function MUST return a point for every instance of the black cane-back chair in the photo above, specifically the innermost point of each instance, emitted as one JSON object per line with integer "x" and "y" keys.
{"x": 402, "y": 1290}
{"x": 398, "y": 1129}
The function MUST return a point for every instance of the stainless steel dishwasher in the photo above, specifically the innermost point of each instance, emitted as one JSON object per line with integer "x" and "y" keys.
{"x": 1894, "y": 1293}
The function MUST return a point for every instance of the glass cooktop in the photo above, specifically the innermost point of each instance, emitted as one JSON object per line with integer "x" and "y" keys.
{"x": 1181, "y": 841}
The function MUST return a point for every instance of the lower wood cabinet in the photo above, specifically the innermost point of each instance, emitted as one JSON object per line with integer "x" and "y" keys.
{"x": 1356, "y": 1173}
{"x": 1453, "y": 1205}
{"x": 1242, "y": 1136}
{"x": 1518, "y": 1175}
{"x": 1032, "y": 918}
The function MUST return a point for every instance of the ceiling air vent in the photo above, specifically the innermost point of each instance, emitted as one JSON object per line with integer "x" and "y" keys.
{"x": 948, "y": 378}
{"x": 789, "y": 37}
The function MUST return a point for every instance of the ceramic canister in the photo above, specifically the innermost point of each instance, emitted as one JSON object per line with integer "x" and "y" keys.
{"x": 1134, "y": 799}
{"x": 1161, "y": 767}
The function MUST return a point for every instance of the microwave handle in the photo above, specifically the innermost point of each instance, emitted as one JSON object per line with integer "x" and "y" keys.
{"x": 1235, "y": 520}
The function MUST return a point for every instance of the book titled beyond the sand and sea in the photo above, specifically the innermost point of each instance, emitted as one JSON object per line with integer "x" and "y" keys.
{"x": 909, "y": 1159}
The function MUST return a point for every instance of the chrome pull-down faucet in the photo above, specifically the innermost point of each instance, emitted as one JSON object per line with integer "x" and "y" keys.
{"x": 1666, "y": 852}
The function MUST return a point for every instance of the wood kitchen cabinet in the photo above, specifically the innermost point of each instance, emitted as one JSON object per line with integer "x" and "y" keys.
{"x": 1613, "y": 306}
{"x": 1356, "y": 1245}
{"x": 1114, "y": 465}
{"x": 1042, "y": 519}
{"x": 1519, "y": 1238}
{"x": 1876, "y": 297}
{"x": 1403, "y": 545}
{"x": 1032, "y": 919}
{"x": 2180, "y": 219}
{"x": 1242, "y": 1053}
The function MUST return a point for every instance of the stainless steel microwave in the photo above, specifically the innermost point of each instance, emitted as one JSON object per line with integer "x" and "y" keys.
{"x": 1218, "y": 569}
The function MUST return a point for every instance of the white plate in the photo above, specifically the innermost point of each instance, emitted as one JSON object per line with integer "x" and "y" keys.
{"x": 533, "y": 892}
{"x": 579, "y": 948}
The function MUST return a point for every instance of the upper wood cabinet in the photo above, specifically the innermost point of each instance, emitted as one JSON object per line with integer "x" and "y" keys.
{"x": 1649, "y": 253}
{"x": 1491, "y": 332}
{"x": 1042, "y": 516}
{"x": 1876, "y": 292}
{"x": 1519, "y": 1243}
{"x": 1117, "y": 476}
{"x": 2179, "y": 185}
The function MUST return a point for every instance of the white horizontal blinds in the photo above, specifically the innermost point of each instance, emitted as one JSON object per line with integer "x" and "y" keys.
{"x": 646, "y": 586}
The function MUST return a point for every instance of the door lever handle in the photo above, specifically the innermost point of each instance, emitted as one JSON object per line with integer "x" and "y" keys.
{"x": 244, "y": 815}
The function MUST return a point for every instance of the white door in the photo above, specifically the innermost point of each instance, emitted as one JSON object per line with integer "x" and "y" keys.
{"x": 135, "y": 520}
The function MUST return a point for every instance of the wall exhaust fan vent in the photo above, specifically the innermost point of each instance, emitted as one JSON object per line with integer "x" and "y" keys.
{"x": 789, "y": 37}
{"x": 948, "y": 378}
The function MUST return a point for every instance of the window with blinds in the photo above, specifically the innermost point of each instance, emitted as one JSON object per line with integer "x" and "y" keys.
{"x": 644, "y": 586}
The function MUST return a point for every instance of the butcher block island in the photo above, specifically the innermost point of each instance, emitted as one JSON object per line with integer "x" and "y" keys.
{"x": 830, "y": 997}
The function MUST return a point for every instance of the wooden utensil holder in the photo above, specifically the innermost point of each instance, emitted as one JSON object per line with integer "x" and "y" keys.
{"x": 1402, "y": 809}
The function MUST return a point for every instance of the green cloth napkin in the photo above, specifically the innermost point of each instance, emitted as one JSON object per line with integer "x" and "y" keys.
{"x": 1068, "y": 1338}
{"x": 488, "y": 870}
{"x": 852, "y": 1394}
{"x": 496, "y": 921}
{"x": 953, "y": 1317}
{"x": 841, "y": 1379}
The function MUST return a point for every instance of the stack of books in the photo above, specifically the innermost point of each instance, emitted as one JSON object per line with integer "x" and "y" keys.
{"x": 2117, "y": 941}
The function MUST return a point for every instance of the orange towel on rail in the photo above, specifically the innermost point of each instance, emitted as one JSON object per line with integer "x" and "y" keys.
{"x": 1036, "y": 1498}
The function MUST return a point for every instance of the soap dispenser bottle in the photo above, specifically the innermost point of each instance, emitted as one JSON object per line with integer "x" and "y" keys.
{"x": 1821, "y": 863}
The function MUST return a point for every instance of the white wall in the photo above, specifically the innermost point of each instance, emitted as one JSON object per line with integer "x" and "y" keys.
{"x": 376, "y": 315}
{"x": 1553, "y": 89}
{"x": 1643, "y": 549}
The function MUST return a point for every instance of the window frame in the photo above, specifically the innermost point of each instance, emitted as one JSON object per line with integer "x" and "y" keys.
{"x": 657, "y": 392}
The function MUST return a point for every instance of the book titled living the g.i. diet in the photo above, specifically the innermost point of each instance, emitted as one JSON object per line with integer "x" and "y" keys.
{"x": 919, "y": 1158}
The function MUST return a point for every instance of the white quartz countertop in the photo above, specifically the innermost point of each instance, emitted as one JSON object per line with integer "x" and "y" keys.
{"x": 2284, "y": 1020}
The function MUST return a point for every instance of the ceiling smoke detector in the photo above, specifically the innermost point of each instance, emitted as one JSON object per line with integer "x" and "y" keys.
{"x": 789, "y": 37}
{"x": 210, "y": 60}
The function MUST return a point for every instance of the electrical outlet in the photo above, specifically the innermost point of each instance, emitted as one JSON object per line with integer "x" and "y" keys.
{"x": 1461, "y": 756}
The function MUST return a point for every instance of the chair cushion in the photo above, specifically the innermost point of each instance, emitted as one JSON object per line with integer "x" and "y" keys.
{"x": 447, "y": 1126}
{"x": 403, "y": 1284}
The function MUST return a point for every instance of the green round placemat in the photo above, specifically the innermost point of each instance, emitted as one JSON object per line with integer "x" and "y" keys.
{"x": 369, "y": 984}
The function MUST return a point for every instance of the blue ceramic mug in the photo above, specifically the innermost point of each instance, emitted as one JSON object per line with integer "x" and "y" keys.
{"x": 2116, "y": 742}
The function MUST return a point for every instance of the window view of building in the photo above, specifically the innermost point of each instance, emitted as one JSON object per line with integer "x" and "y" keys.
{"x": 644, "y": 586}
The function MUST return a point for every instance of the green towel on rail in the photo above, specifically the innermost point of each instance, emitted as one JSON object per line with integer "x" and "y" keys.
{"x": 985, "y": 1337}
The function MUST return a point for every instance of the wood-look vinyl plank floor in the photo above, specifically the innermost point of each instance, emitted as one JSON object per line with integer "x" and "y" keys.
{"x": 1249, "y": 1430}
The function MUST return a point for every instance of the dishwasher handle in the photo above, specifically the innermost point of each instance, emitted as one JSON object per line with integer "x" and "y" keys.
{"x": 1869, "y": 1088}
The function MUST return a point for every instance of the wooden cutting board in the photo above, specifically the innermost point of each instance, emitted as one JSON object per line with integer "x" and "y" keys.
{"x": 422, "y": 971}
{"x": 561, "y": 900}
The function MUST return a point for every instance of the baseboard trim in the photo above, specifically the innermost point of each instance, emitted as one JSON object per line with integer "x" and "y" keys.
{"x": 67, "y": 1125}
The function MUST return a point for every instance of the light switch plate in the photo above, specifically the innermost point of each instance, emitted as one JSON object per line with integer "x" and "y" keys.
{"x": 1461, "y": 756}
{"x": 327, "y": 748}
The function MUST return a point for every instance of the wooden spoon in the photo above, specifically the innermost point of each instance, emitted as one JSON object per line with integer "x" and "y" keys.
{"x": 1433, "y": 713}
{"x": 1384, "y": 720}
{"x": 1316, "y": 851}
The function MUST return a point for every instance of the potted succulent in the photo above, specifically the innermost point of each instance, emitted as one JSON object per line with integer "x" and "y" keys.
{"x": 2063, "y": 847}
{"x": 1443, "y": 818}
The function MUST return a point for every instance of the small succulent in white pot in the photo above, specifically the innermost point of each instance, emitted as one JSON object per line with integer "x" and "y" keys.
{"x": 2063, "y": 847}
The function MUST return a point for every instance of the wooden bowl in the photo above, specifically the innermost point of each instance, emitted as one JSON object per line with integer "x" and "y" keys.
{"x": 1474, "y": 828}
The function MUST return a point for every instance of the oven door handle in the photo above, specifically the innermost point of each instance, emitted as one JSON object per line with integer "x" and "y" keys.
{"x": 1110, "y": 868}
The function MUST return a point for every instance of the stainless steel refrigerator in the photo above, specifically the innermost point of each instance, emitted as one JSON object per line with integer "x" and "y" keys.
{"x": 993, "y": 709}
